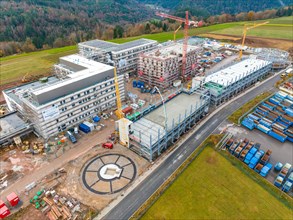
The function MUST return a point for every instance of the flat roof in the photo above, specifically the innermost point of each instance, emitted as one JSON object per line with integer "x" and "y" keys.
{"x": 99, "y": 44}
{"x": 10, "y": 125}
{"x": 132, "y": 44}
{"x": 169, "y": 51}
{"x": 109, "y": 46}
{"x": 236, "y": 72}
{"x": 87, "y": 72}
{"x": 155, "y": 120}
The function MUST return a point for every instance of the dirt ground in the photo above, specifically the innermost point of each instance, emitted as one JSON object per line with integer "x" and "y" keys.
{"x": 255, "y": 41}
{"x": 73, "y": 184}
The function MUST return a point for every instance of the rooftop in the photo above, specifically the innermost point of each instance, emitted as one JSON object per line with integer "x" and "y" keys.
{"x": 11, "y": 124}
{"x": 236, "y": 72}
{"x": 150, "y": 124}
{"x": 169, "y": 51}
{"x": 109, "y": 46}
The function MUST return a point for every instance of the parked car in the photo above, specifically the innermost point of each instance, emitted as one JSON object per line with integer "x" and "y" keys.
{"x": 107, "y": 145}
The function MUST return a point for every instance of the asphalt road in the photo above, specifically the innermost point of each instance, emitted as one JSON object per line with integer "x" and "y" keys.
{"x": 147, "y": 187}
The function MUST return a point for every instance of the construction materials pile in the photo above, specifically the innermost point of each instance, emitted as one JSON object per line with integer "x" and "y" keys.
{"x": 55, "y": 206}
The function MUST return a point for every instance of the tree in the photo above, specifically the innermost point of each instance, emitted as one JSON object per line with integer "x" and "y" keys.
{"x": 165, "y": 28}
{"x": 118, "y": 31}
{"x": 28, "y": 46}
{"x": 250, "y": 16}
{"x": 147, "y": 29}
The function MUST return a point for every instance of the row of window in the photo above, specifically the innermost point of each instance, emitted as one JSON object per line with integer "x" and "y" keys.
{"x": 88, "y": 91}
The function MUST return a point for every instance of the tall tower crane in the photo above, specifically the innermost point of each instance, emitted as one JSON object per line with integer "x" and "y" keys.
{"x": 245, "y": 29}
{"x": 118, "y": 112}
{"x": 187, "y": 23}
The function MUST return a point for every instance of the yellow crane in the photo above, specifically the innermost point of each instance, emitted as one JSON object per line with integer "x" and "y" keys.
{"x": 245, "y": 29}
{"x": 176, "y": 32}
{"x": 123, "y": 122}
{"x": 118, "y": 112}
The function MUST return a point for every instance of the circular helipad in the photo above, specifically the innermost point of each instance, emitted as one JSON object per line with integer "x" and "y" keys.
{"x": 108, "y": 174}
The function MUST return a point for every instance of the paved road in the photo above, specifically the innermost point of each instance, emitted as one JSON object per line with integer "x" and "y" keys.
{"x": 146, "y": 188}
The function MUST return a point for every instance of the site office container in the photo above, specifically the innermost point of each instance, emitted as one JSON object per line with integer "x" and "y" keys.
{"x": 4, "y": 212}
{"x": 2, "y": 204}
{"x": 13, "y": 199}
{"x": 127, "y": 110}
{"x": 86, "y": 129}
{"x": 266, "y": 169}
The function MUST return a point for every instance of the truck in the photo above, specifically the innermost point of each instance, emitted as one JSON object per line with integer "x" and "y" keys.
{"x": 256, "y": 159}
{"x": 250, "y": 155}
{"x": 71, "y": 137}
{"x": 288, "y": 184}
{"x": 241, "y": 147}
{"x": 266, "y": 169}
{"x": 266, "y": 157}
{"x": 246, "y": 150}
{"x": 285, "y": 170}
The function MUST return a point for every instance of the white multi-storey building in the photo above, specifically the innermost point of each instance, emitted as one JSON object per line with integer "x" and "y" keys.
{"x": 124, "y": 56}
{"x": 86, "y": 88}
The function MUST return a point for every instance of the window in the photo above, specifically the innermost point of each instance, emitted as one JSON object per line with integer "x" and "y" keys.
{"x": 78, "y": 95}
{"x": 73, "y": 104}
{"x": 72, "y": 98}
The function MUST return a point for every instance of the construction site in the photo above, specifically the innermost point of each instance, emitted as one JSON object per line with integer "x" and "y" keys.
{"x": 111, "y": 110}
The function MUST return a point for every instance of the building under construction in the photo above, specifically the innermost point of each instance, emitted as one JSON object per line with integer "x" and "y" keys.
{"x": 123, "y": 56}
{"x": 279, "y": 58}
{"x": 163, "y": 66}
{"x": 230, "y": 81}
{"x": 158, "y": 126}
{"x": 84, "y": 89}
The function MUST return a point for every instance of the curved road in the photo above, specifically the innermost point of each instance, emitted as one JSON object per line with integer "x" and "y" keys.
{"x": 147, "y": 187}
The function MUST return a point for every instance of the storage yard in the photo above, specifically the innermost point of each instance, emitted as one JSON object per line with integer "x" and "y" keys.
{"x": 110, "y": 111}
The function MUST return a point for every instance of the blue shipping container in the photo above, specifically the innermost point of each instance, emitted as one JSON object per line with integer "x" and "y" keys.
{"x": 86, "y": 129}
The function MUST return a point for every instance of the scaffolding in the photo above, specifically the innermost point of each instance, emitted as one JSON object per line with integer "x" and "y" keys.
{"x": 123, "y": 56}
{"x": 279, "y": 58}
{"x": 162, "y": 67}
{"x": 153, "y": 133}
{"x": 228, "y": 82}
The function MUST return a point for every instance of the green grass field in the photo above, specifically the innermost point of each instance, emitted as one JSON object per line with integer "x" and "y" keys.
{"x": 213, "y": 188}
{"x": 281, "y": 28}
{"x": 38, "y": 63}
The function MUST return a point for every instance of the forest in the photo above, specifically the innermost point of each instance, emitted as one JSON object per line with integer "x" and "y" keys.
{"x": 30, "y": 25}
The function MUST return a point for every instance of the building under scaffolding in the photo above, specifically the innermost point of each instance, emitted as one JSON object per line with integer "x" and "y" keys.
{"x": 152, "y": 133}
{"x": 279, "y": 58}
{"x": 228, "y": 82}
{"x": 163, "y": 66}
{"x": 123, "y": 56}
{"x": 86, "y": 87}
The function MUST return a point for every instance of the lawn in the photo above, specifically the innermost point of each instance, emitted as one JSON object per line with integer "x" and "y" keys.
{"x": 35, "y": 63}
{"x": 270, "y": 31}
{"x": 247, "y": 106}
{"x": 213, "y": 188}
{"x": 281, "y": 28}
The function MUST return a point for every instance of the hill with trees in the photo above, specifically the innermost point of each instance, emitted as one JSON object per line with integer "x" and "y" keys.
{"x": 29, "y": 25}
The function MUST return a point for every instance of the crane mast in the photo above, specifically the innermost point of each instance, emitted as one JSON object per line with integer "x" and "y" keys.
{"x": 245, "y": 29}
{"x": 119, "y": 112}
{"x": 187, "y": 23}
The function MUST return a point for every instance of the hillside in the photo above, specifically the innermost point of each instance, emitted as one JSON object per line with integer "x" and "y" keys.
{"x": 212, "y": 7}
{"x": 44, "y": 21}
